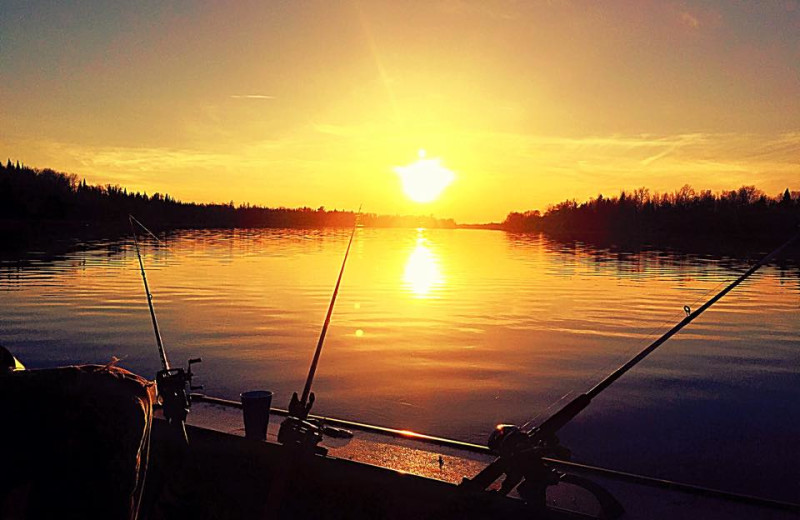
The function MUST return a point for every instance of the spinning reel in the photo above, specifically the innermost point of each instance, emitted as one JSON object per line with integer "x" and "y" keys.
{"x": 526, "y": 468}
{"x": 174, "y": 386}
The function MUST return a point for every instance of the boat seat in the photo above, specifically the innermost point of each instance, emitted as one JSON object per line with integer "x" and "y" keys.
{"x": 73, "y": 442}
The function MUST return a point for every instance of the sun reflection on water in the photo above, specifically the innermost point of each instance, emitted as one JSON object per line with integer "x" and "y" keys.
{"x": 422, "y": 275}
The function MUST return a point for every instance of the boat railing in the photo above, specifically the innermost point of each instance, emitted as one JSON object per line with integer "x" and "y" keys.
{"x": 573, "y": 467}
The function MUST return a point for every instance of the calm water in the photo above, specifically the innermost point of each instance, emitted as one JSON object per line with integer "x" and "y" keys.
{"x": 449, "y": 332}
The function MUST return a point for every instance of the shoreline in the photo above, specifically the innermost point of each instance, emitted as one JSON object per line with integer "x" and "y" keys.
{"x": 19, "y": 236}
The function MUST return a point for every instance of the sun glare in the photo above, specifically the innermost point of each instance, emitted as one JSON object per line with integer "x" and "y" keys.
{"x": 422, "y": 274}
{"x": 425, "y": 179}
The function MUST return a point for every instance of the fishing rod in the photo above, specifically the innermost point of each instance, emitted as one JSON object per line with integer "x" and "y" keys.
{"x": 313, "y": 368}
{"x": 520, "y": 453}
{"x": 296, "y": 429}
{"x": 173, "y": 384}
{"x": 159, "y": 343}
{"x": 300, "y": 407}
{"x": 299, "y": 434}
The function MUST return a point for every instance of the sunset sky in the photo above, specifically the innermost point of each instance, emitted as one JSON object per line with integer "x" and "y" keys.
{"x": 306, "y": 103}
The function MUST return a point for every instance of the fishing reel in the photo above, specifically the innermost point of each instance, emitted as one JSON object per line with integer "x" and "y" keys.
{"x": 298, "y": 431}
{"x": 525, "y": 470}
{"x": 507, "y": 440}
{"x": 301, "y": 434}
{"x": 174, "y": 386}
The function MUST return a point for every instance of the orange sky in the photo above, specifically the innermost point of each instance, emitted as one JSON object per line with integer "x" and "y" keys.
{"x": 316, "y": 103}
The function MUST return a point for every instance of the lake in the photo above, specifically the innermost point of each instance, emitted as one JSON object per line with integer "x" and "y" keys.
{"x": 448, "y": 332}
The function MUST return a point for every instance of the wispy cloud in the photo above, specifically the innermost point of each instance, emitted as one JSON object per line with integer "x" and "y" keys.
{"x": 503, "y": 10}
{"x": 339, "y": 130}
{"x": 251, "y": 96}
{"x": 690, "y": 20}
{"x": 543, "y": 168}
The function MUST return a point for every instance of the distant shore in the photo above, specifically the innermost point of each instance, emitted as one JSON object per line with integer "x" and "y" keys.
{"x": 18, "y": 237}
{"x": 37, "y": 206}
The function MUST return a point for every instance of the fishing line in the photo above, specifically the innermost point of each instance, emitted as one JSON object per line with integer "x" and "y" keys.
{"x": 604, "y": 368}
{"x": 132, "y": 218}
{"x": 664, "y": 325}
{"x": 313, "y": 368}
{"x": 533, "y": 420}
{"x": 173, "y": 385}
{"x": 656, "y": 331}
{"x": 515, "y": 447}
{"x": 159, "y": 343}
{"x": 299, "y": 435}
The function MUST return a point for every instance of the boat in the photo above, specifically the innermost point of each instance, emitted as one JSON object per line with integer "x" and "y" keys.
{"x": 86, "y": 443}
{"x": 92, "y": 442}
{"x": 97, "y": 441}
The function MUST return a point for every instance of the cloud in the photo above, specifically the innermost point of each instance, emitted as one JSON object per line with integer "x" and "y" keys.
{"x": 543, "y": 169}
{"x": 251, "y": 96}
{"x": 149, "y": 159}
{"x": 502, "y": 10}
{"x": 339, "y": 130}
{"x": 689, "y": 20}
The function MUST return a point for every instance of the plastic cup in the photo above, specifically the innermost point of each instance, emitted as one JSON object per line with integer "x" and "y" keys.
{"x": 255, "y": 409}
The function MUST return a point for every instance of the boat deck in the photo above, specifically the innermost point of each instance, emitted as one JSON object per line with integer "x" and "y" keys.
{"x": 401, "y": 454}
{"x": 449, "y": 461}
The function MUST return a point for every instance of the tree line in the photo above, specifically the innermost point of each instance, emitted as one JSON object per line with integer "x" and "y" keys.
{"x": 29, "y": 194}
{"x": 742, "y": 213}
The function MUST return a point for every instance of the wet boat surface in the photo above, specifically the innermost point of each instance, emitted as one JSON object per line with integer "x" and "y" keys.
{"x": 391, "y": 458}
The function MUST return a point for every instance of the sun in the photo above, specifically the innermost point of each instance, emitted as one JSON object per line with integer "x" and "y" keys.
{"x": 425, "y": 179}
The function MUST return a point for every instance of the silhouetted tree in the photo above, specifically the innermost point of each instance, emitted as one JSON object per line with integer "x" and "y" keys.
{"x": 745, "y": 212}
{"x": 29, "y": 194}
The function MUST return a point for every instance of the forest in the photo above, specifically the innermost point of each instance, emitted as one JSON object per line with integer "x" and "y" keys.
{"x": 28, "y": 194}
{"x": 34, "y": 195}
{"x": 743, "y": 213}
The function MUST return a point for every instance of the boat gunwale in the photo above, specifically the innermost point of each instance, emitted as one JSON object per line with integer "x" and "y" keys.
{"x": 612, "y": 474}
